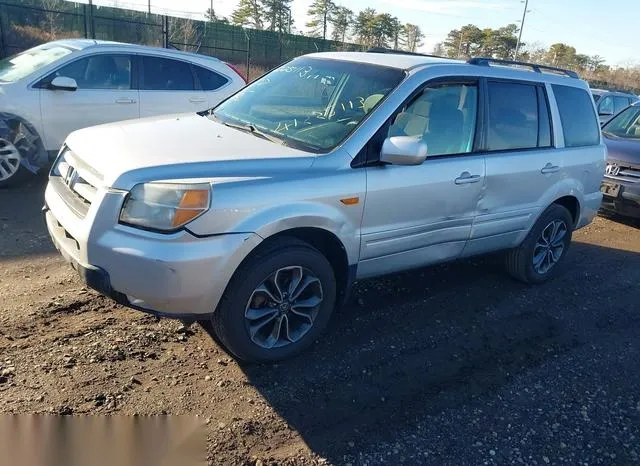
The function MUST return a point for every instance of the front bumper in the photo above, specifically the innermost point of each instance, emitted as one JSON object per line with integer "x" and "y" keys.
{"x": 622, "y": 197}
{"x": 176, "y": 275}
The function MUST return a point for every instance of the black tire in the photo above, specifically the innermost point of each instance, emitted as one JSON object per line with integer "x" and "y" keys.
{"x": 22, "y": 176}
{"x": 519, "y": 261}
{"x": 228, "y": 321}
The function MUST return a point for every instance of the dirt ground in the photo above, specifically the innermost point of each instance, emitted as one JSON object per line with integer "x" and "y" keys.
{"x": 454, "y": 364}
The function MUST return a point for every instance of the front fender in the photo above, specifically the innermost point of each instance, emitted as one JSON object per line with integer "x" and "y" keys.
{"x": 271, "y": 205}
{"x": 343, "y": 221}
{"x": 308, "y": 215}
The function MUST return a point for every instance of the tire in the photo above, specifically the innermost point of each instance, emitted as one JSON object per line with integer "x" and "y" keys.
{"x": 245, "y": 299}
{"x": 520, "y": 261}
{"x": 12, "y": 172}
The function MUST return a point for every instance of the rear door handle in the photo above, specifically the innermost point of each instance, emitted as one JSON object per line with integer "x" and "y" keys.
{"x": 125, "y": 101}
{"x": 466, "y": 178}
{"x": 549, "y": 168}
{"x": 196, "y": 100}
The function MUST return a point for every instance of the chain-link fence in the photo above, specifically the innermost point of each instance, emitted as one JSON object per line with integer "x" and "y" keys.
{"x": 26, "y": 23}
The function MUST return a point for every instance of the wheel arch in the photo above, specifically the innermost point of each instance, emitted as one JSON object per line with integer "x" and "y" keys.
{"x": 572, "y": 204}
{"x": 326, "y": 242}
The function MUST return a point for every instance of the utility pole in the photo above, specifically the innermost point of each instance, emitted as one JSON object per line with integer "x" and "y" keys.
{"x": 149, "y": 4}
{"x": 524, "y": 16}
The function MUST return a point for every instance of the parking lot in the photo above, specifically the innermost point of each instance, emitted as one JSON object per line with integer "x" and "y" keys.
{"x": 454, "y": 364}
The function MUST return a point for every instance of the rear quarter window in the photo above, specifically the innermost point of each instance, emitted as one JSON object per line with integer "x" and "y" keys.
{"x": 579, "y": 123}
{"x": 209, "y": 80}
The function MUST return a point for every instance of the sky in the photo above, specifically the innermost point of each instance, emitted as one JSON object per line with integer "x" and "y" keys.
{"x": 593, "y": 27}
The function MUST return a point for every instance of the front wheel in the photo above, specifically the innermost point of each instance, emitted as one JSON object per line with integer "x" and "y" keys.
{"x": 12, "y": 173}
{"x": 536, "y": 260}
{"x": 277, "y": 303}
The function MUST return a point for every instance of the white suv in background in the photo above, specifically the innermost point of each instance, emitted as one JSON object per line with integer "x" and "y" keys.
{"x": 51, "y": 90}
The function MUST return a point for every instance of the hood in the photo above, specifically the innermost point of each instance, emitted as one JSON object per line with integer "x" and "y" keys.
{"x": 623, "y": 150}
{"x": 173, "y": 147}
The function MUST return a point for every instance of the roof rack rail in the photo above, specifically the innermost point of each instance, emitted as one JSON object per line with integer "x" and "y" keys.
{"x": 485, "y": 61}
{"x": 401, "y": 52}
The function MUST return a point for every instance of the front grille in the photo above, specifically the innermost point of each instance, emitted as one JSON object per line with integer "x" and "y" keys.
{"x": 624, "y": 171}
{"x": 633, "y": 174}
{"x": 69, "y": 179}
{"x": 78, "y": 204}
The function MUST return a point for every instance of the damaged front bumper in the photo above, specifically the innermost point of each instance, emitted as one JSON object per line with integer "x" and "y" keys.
{"x": 175, "y": 275}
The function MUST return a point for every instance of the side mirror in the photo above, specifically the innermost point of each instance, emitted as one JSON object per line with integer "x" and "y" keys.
{"x": 403, "y": 150}
{"x": 62, "y": 83}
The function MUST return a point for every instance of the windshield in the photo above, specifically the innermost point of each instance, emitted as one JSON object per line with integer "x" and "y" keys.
{"x": 625, "y": 125}
{"x": 311, "y": 104}
{"x": 23, "y": 64}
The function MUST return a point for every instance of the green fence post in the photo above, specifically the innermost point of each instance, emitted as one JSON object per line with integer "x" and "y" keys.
{"x": 84, "y": 19}
{"x": 92, "y": 25}
{"x": 165, "y": 32}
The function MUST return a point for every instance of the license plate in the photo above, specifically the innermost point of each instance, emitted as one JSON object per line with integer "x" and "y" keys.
{"x": 610, "y": 189}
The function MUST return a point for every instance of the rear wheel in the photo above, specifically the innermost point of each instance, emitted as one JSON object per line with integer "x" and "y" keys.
{"x": 278, "y": 302}
{"x": 536, "y": 260}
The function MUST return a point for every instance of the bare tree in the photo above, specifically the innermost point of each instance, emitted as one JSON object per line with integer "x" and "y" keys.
{"x": 51, "y": 15}
{"x": 185, "y": 34}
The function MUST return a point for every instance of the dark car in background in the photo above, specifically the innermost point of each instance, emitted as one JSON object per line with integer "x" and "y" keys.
{"x": 610, "y": 103}
{"x": 621, "y": 184}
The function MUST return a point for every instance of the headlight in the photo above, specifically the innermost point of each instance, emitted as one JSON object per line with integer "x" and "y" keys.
{"x": 164, "y": 206}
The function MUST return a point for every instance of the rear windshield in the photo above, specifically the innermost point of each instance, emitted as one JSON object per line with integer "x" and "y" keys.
{"x": 310, "y": 103}
{"x": 579, "y": 122}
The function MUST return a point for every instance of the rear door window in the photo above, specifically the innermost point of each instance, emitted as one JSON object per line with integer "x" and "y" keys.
{"x": 164, "y": 74}
{"x": 517, "y": 117}
{"x": 579, "y": 122}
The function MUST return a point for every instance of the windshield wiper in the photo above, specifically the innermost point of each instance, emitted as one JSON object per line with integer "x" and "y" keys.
{"x": 249, "y": 128}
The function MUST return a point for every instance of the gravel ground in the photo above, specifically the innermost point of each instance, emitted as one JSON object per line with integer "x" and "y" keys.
{"x": 454, "y": 364}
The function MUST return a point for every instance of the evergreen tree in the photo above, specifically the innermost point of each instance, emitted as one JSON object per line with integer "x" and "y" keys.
{"x": 249, "y": 13}
{"x": 321, "y": 13}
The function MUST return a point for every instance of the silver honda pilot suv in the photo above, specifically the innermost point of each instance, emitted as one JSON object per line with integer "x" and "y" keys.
{"x": 258, "y": 215}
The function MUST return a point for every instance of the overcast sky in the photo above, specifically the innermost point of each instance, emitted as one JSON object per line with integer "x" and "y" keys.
{"x": 592, "y": 26}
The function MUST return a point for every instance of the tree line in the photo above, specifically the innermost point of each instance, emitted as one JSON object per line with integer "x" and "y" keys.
{"x": 328, "y": 20}
{"x": 471, "y": 41}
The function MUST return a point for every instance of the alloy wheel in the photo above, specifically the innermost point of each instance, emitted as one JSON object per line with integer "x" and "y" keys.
{"x": 283, "y": 307}
{"x": 9, "y": 160}
{"x": 550, "y": 246}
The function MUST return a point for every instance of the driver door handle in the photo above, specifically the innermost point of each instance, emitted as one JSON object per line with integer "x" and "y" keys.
{"x": 125, "y": 101}
{"x": 467, "y": 178}
{"x": 549, "y": 168}
{"x": 196, "y": 100}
